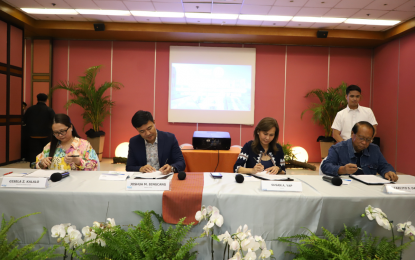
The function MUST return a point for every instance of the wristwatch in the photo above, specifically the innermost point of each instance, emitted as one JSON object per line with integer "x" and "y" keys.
{"x": 173, "y": 169}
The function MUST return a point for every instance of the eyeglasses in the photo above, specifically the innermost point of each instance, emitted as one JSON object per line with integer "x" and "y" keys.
{"x": 367, "y": 140}
{"x": 61, "y": 132}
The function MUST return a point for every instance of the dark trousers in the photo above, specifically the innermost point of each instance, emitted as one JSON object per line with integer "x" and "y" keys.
{"x": 36, "y": 146}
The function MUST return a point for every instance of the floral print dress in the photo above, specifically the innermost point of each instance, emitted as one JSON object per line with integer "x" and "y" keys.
{"x": 88, "y": 156}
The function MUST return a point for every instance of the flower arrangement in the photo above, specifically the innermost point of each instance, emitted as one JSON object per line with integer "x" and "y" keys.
{"x": 144, "y": 241}
{"x": 239, "y": 242}
{"x": 352, "y": 243}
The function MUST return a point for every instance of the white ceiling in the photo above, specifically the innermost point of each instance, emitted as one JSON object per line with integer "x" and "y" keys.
{"x": 371, "y": 9}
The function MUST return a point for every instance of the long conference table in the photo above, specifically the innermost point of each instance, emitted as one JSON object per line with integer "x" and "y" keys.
{"x": 82, "y": 198}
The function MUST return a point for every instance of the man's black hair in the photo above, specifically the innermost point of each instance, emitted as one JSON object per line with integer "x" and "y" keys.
{"x": 42, "y": 97}
{"x": 355, "y": 128}
{"x": 351, "y": 88}
{"x": 141, "y": 118}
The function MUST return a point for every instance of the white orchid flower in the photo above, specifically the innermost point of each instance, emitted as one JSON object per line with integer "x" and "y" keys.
{"x": 234, "y": 245}
{"x": 402, "y": 226}
{"x": 410, "y": 231}
{"x": 224, "y": 237}
{"x": 101, "y": 242}
{"x": 214, "y": 209}
{"x": 237, "y": 256}
{"x": 245, "y": 243}
{"x": 58, "y": 231}
{"x": 209, "y": 209}
{"x": 265, "y": 254}
{"x": 204, "y": 213}
{"x": 88, "y": 234}
{"x": 262, "y": 244}
{"x": 217, "y": 218}
{"x": 253, "y": 245}
{"x": 96, "y": 224}
{"x": 199, "y": 216}
{"x": 383, "y": 222}
{"x": 111, "y": 222}
{"x": 239, "y": 229}
{"x": 372, "y": 212}
{"x": 250, "y": 255}
{"x": 207, "y": 227}
{"x": 74, "y": 237}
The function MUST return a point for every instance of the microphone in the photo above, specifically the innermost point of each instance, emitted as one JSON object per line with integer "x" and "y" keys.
{"x": 239, "y": 178}
{"x": 57, "y": 176}
{"x": 182, "y": 175}
{"x": 336, "y": 181}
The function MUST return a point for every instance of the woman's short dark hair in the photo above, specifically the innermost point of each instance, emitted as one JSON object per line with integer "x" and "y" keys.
{"x": 141, "y": 118}
{"x": 65, "y": 120}
{"x": 355, "y": 128}
{"x": 266, "y": 124}
{"x": 353, "y": 87}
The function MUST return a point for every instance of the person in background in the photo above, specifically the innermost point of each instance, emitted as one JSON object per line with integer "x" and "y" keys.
{"x": 358, "y": 155}
{"x": 24, "y": 105}
{"x": 153, "y": 150}
{"x": 263, "y": 153}
{"x": 353, "y": 113}
{"x": 66, "y": 150}
{"x": 37, "y": 123}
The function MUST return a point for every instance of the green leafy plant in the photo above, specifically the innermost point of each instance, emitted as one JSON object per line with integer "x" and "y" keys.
{"x": 96, "y": 106}
{"x": 332, "y": 101}
{"x": 144, "y": 241}
{"x": 352, "y": 243}
{"x": 288, "y": 152}
{"x": 11, "y": 251}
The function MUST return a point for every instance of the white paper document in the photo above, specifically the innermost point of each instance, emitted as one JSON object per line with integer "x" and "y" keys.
{"x": 113, "y": 176}
{"x": 151, "y": 175}
{"x": 274, "y": 177}
{"x": 370, "y": 179}
{"x": 43, "y": 173}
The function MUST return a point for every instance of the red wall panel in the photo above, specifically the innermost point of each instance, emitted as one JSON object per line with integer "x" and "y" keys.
{"x": 15, "y": 142}
{"x": 3, "y": 42}
{"x": 60, "y": 73}
{"x": 16, "y": 41}
{"x": 406, "y": 115}
{"x": 183, "y": 131}
{"x": 15, "y": 95}
{"x": 307, "y": 69}
{"x": 28, "y": 88}
{"x": 133, "y": 66}
{"x": 41, "y": 56}
{"x": 269, "y": 88}
{"x": 40, "y": 87}
{"x": 352, "y": 66}
{"x": 385, "y": 80}
{"x": 83, "y": 55}
{"x": 3, "y": 94}
{"x": 3, "y": 142}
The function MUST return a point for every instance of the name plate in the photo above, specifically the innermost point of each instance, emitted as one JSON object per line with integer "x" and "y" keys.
{"x": 148, "y": 184}
{"x": 400, "y": 189}
{"x": 23, "y": 182}
{"x": 281, "y": 186}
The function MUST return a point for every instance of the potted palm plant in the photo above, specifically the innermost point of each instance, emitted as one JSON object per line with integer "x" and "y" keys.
{"x": 95, "y": 104}
{"x": 332, "y": 101}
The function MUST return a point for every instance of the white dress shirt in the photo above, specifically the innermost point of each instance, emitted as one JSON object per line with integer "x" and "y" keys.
{"x": 347, "y": 118}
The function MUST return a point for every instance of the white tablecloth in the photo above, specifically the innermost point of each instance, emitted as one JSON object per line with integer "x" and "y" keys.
{"x": 81, "y": 199}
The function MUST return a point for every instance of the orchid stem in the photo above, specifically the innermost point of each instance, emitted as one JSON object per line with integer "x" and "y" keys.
{"x": 224, "y": 252}
{"x": 64, "y": 254}
{"x": 211, "y": 244}
{"x": 393, "y": 235}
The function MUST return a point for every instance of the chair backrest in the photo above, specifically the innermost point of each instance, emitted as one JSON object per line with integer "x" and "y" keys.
{"x": 319, "y": 170}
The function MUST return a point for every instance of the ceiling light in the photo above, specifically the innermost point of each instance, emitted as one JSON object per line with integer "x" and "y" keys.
{"x": 103, "y": 12}
{"x": 158, "y": 14}
{"x": 372, "y": 22}
{"x": 318, "y": 19}
{"x": 211, "y": 16}
{"x": 264, "y": 17}
{"x": 48, "y": 11}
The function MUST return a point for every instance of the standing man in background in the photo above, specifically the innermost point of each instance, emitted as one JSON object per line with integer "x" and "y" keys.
{"x": 37, "y": 122}
{"x": 353, "y": 113}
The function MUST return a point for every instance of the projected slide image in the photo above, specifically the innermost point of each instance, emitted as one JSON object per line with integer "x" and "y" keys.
{"x": 210, "y": 87}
